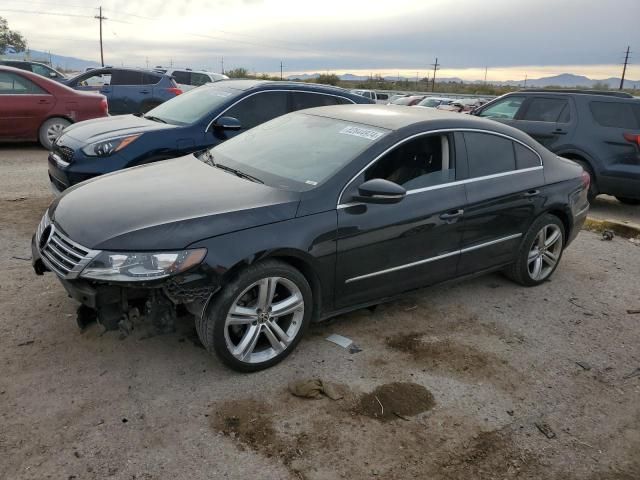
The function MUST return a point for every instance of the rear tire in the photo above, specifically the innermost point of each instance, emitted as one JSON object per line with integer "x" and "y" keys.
{"x": 257, "y": 319}
{"x": 539, "y": 253}
{"x": 629, "y": 201}
{"x": 50, "y": 130}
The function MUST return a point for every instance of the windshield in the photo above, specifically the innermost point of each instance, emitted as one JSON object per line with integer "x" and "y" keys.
{"x": 193, "y": 105}
{"x": 296, "y": 151}
{"x": 430, "y": 102}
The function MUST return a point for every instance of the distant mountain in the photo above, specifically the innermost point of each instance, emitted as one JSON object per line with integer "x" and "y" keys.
{"x": 565, "y": 80}
{"x": 66, "y": 63}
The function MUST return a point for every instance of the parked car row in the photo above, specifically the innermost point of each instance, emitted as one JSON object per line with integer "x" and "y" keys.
{"x": 598, "y": 130}
{"x": 274, "y": 211}
{"x": 33, "y": 107}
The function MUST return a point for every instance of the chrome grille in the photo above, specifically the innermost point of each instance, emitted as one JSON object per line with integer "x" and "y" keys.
{"x": 60, "y": 254}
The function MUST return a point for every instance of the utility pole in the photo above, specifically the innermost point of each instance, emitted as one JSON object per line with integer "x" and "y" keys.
{"x": 280, "y": 69}
{"x": 485, "y": 75}
{"x": 147, "y": 63}
{"x": 525, "y": 80}
{"x": 101, "y": 18}
{"x": 624, "y": 69}
{"x": 222, "y": 65}
{"x": 436, "y": 67}
{"x": 416, "y": 81}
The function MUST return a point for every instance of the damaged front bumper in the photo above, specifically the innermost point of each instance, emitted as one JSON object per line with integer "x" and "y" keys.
{"x": 117, "y": 305}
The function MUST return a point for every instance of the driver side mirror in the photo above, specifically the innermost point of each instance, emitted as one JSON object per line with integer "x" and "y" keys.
{"x": 227, "y": 123}
{"x": 379, "y": 190}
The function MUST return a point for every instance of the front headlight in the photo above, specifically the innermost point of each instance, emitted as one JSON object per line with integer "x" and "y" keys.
{"x": 141, "y": 266}
{"x": 109, "y": 147}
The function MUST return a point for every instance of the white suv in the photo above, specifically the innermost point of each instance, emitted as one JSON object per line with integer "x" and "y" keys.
{"x": 188, "y": 79}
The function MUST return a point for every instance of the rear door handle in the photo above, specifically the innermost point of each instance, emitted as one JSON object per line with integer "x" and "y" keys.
{"x": 531, "y": 193}
{"x": 559, "y": 131}
{"x": 145, "y": 91}
{"x": 452, "y": 214}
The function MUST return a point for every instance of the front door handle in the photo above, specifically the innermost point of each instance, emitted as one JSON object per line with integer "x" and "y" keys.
{"x": 451, "y": 215}
{"x": 145, "y": 91}
{"x": 531, "y": 193}
{"x": 559, "y": 131}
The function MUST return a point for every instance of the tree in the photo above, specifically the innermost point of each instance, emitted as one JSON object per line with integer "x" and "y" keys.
{"x": 10, "y": 40}
{"x": 237, "y": 73}
{"x": 327, "y": 79}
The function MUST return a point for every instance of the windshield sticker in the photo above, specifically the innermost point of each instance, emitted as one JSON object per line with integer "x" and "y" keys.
{"x": 311, "y": 182}
{"x": 367, "y": 133}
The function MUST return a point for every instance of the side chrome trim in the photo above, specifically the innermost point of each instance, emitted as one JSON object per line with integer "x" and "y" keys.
{"x": 273, "y": 90}
{"x": 492, "y": 242}
{"x": 453, "y": 184}
{"x": 402, "y": 267}
{"x": 446, "y": 130}
{"x": 433, "y": 259}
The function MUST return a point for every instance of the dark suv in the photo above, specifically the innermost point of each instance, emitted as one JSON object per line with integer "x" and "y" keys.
{"x": 598, "y": 130}
{"x": 127, "y": 90}
{"x": 194, "y": 121}
{"x": 37, "y": 68}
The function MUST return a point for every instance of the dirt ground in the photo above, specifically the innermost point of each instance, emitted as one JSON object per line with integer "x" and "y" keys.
{"x": 481, "y": 379}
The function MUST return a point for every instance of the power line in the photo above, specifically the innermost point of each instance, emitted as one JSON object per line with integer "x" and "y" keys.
{"x": 58, "y": 14}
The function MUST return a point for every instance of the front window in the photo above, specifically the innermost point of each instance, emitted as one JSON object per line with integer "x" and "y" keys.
{"x": 192, "y": 106}
{"x": 296, "y": 151}
{"x": 505, "y": 109}
{"x": 425, "y": 161}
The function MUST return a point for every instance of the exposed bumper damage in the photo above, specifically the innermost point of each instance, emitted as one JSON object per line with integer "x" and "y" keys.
{"x": 122, "y": 306}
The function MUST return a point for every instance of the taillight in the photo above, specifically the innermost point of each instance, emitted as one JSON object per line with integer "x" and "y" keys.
{"x": 632, "y": 137}
{"x": 104, "y": 106}
{"x": 174, "y": 90}
{"x": 586, "y": 180}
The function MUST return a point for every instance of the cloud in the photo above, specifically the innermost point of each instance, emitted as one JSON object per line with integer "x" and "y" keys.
{"x": 339, "y": 34}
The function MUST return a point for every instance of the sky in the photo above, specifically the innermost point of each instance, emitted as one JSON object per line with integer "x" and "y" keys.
{"x": 510, "y": 38}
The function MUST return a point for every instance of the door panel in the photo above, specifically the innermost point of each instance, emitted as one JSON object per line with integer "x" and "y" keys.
{"x": 500, "y": 210}
{"x": 373, "y": 238}
{"x": 550, "y": 121}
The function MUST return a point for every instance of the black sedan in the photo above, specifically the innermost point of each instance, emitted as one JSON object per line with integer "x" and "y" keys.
{"x": 191, "y": 122}
{"x": 310, "y": 215}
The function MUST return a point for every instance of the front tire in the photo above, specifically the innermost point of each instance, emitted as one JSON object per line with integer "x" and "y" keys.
{"x": 539, "y": 253}
{"x": 258, "y": 318}
{"x": 50, "y": 130}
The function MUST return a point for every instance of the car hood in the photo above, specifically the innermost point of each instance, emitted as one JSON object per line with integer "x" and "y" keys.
{"x": 166, "y": 206}
{"x": 99, "y": 129}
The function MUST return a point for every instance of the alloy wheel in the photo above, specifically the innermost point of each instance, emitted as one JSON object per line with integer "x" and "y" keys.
{"x": 545, "y": 252}
{"x": 264, "y": 319}
{"x": 54, "y": 131}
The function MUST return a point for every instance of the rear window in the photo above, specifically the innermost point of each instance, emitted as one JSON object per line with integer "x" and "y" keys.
{"x": 616, "y": 114}
{"x": 547, "y": 110}
{"x": 181, "y": 77}
{"x": 131, "y": 77}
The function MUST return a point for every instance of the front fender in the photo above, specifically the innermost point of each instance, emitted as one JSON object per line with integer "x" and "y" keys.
{"x": 308, "y": 243}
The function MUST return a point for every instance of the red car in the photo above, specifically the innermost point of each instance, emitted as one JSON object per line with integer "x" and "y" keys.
{"x": 36, "y": 108}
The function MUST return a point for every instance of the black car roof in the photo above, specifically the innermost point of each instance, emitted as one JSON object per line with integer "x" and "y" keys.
{"x": 248, "y": 84}
{"x": 394, "y": 117}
